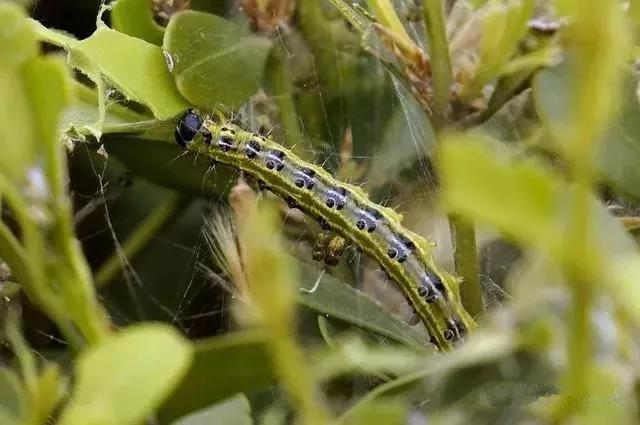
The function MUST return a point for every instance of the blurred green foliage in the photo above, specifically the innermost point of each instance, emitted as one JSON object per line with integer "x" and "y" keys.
{"x": 516, "y": 116}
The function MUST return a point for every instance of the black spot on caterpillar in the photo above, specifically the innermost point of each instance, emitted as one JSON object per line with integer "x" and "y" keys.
{"x": 343, "y": 208}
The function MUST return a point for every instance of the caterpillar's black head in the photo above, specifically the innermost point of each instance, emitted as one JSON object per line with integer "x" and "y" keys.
{"x": 187, "y": 128}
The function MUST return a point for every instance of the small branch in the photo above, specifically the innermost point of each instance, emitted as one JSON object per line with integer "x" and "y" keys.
{"x": 12, "y": 252}
{"x": 14, "y": 255}
{"x": 140, "y": 237}
{"x": 434, "y": 19}
{"x": 386, "y": 15}
{"x": 467, "y": 265}
{"x": 280, "y": 81}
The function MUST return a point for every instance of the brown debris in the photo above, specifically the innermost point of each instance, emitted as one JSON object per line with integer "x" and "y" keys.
{"x": 269, "y": 15}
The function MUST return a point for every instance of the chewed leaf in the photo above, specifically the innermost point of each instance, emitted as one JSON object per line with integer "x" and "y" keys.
{"x": 134, "y": 67}
{"x": 216, "y": 62}
{"x": 125, "y": 378}
{"x": 134, "y": 17}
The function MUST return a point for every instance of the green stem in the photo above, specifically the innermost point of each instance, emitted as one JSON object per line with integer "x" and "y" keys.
{"x": 386, "y": 14}
{"x": 14, "y": 255}
{"x": 290, "y": 360}
{"x": 140, "y": 237}
{"x": 27, "y": 262}
{"x": 467, "y": 265}
{"x": 317, "y": 31}
{"x": 580, "y": 347}
{"x": 31, "y": 281}
{"x": 634, "y": 11}
{"x": 434, "y": 19}
{"x": 280, "y": 81}
{"x": 71, "y": 270}
{"x": 580, "y": 344}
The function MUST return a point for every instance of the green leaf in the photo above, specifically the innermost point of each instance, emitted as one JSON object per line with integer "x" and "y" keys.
{"x": 83, "y": 111}
{"x": 232, "y": 411}
{"x": 515, "y": 120}
{"x": 339, "y": 300}
{"x": 350, "y": 354}
{"x": 136, "y": 68}
{"x": 47, "y": 85}
{"x": 519, "y": 198}
{"x": 524, "y": 200}
{"x": 135, "y": 17}
{"x": 222, "y": 366}
{"x": 50, "y": 389}
{"x": 216, "y": 62}
{"x": 123, "y": 379}
{"x": 17, "y": 40}
{"x": 504, "y": 26}
{"x": 163, "y": 163}
{"x": 17, "y": 45}
{"x": 482, "y": 347}
{"x": 383, "y": 411}
{"x": 619, "y": 153}
{"x": 610, "y": 399}
{"x": 12, "y": 398}
{"x": 623, "y": 284}
{"x": 619, "y": 150}
{"x": 16, "y": 130}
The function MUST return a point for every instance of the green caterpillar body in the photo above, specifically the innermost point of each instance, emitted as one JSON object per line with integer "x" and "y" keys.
{"x": 344, "y": 208}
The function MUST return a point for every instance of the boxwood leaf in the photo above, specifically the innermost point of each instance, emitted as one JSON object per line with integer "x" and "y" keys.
{"x": 619, "y": 149}
{"x": 17, "y": 46}
{"x": 216, "y": 62}
{"x": 134, "y": 67}
{"x": 222, "y": 366}
{"x": 134, "y": 17}
{"x": 122, "y": 380}
{"x": 232, "y": 411}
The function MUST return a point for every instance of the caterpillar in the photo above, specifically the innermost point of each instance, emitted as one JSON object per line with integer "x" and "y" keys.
{"x": 376, "y": 230}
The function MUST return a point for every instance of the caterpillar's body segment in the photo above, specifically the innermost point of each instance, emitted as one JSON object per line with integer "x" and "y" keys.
{"x": 344, "y": 208}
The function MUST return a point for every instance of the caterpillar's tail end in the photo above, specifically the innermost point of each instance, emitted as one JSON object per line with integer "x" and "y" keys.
{"x": 188, "y": 126}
